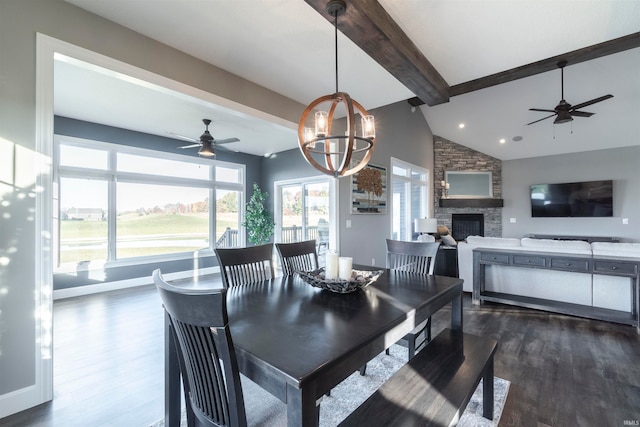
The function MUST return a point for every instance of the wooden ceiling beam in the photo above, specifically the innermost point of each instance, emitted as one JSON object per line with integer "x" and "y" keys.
{"x": 371, "y": 28}
{"x": 574, "y": 57}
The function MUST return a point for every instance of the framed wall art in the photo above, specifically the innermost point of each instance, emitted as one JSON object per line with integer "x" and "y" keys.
{"x": 369, "y": 190}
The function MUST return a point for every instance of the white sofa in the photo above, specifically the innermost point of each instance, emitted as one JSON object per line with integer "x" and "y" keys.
{"x": 578, "y": 288}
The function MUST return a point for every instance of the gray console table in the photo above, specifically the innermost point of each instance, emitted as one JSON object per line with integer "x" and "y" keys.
{"x": 610, "y": 266}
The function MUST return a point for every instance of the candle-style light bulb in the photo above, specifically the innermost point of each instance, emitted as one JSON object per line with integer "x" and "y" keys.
{"x": 309, "y": 135}
{"x": 322, "y": 124}
{"x": 368, "y": 127}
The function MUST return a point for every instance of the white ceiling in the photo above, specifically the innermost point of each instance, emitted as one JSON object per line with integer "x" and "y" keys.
{"x": 284, "y": 45}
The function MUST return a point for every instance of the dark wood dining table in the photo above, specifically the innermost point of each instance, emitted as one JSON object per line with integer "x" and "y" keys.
{"x": 298, "y": 342}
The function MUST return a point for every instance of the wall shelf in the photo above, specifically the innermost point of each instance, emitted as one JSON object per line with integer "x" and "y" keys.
{"x": 472, "y": 203}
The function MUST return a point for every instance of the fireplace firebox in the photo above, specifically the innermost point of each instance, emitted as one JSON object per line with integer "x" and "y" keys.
{"x": 463, "y": 225}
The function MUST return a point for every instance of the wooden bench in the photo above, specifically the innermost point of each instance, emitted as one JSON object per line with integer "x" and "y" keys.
{"x": 435, "y": 386}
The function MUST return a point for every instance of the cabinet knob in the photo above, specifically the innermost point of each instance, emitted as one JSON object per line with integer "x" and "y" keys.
{"x": 614, "y": 267}
{"x": 529, "y": 261}
{"x": 568, "y": 264}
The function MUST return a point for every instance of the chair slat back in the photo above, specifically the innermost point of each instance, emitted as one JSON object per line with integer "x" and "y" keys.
{"x": 298, "y": 256}
{"x": 241, "y": 266}
{"x": 207, "y": 359}
{"x": 413, "y": 257}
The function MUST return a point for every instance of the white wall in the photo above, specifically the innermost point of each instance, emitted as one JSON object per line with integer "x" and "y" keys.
{"x": 622, "y": 165}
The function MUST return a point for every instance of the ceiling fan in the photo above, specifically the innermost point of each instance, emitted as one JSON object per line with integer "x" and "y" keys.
{"x": 565, "y": 111}
{"x": 207, "y": 143}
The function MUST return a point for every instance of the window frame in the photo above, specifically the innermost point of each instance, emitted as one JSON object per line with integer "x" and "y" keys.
{"x": 112, "y": 176}
{"x": 425, "y": 203}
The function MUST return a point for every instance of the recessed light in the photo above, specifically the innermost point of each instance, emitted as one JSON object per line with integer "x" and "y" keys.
{"x": 461, "y": 125}
{"x": 502, "y": 141}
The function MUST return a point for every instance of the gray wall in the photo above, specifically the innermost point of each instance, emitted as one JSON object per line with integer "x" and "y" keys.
{"x": 400, "y": 134}
{"x": 20, "y": 20}
{"x": 622, "y": 165}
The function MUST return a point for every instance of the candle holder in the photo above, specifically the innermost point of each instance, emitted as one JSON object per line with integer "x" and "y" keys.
{"x": 445, "y": 189}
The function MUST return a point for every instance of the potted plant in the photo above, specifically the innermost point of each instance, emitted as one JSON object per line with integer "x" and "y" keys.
{"x": 258, "y": 220}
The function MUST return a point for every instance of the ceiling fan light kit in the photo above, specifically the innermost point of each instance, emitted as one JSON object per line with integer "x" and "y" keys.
{"x": 564, "y": 111}
{"x": 334, "y": 154}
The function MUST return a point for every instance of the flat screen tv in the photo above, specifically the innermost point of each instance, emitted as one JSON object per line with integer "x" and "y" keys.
{"x": 572, "y": 199}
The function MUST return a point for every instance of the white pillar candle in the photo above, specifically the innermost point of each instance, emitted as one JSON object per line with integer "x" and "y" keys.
{"x": 345, "y": 267}
{"x": 331, "y": 265}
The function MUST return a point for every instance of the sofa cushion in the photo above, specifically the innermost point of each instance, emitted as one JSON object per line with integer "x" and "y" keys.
{"x": 491, "y": 242}
{"x": 631, "y": 250}
{"x": 562, "y": 246}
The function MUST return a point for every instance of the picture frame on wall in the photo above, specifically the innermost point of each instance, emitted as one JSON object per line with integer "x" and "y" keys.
{"x": 369, "y": 190}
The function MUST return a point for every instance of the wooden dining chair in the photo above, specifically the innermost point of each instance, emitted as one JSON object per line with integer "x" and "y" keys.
{"x": 211, "y": 378}
{"x": 298, "y": 256}
{"x": 420, "y": 258}
{"x": 241, "y": 266}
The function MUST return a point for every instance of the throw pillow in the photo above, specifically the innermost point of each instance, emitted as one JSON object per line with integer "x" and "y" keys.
{"x": 443, "y": 230}
{"x": 448, "y": 240}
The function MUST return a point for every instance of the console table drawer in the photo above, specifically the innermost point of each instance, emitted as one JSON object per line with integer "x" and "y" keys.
{"x": 537, "y": 261}
{"x": 495, "y": 258}
{"x": 613, "y": 267}
{"x": 570, "y": 264}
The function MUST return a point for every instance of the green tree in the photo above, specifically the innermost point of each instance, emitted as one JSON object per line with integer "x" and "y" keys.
{"x": 229, "y": 202}
{"x": 257, "y": 219}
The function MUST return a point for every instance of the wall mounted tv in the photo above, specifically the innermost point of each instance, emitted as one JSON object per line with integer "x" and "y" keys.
{"x": 572, "y": 199}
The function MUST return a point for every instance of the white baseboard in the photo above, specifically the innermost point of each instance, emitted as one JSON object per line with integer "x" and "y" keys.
{"x": 123, "y": 284}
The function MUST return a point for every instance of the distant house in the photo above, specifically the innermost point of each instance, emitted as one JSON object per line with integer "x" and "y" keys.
{"x": 85, "y": 214}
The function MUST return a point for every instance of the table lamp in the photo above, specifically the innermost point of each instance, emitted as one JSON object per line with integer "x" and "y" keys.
{"x": 426, "y": 226}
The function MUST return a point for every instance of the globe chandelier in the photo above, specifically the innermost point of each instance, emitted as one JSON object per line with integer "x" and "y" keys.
{"x": 331, "y": 153}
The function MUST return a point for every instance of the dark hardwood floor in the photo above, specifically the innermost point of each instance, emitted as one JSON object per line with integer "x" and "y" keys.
{"x": 564, "y": 371}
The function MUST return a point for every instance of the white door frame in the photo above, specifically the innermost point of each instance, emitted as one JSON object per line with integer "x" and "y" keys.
{"x": 334, "y": 232}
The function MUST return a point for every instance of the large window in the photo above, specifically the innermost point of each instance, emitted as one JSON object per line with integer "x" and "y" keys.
{"x": 119, "y": 204}
{"x": 410, "y": 184}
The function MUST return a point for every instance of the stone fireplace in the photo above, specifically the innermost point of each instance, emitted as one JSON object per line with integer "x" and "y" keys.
{"x": 449, "y": 156}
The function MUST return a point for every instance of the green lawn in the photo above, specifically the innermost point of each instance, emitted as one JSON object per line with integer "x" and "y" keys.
{"x": 174, "y": 226}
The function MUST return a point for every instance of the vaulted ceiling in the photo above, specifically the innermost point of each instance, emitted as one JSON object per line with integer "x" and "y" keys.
{"x": 483, "y": 63}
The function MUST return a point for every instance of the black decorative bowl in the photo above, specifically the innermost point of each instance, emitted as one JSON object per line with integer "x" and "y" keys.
{"x": 359, "y": 279}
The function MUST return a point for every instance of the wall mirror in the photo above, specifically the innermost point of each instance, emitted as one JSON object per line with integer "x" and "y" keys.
{"x": 469, "y": 185}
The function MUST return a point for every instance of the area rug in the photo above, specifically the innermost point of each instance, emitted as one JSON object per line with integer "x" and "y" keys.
{"x": 265, "y": 410}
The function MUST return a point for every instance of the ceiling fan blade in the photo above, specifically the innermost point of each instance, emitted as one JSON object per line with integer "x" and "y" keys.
{"x": 186, "y": 138}
{"x": 544, "y": 118}
{"x": 593, "y": 101}
{"x": 540, "y": 109}
{"x": 191, "y": 146}
{"x": 581, "y": 114}
{"x": 226, "y": 141}
{"x": 223, "y": 148}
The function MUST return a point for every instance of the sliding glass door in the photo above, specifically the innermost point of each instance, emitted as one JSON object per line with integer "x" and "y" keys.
{"x": 410, "y": 184}
{"x": 303, "y": 211}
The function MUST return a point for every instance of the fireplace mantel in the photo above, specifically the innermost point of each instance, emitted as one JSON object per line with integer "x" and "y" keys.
{"x": 472, "y": 203}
